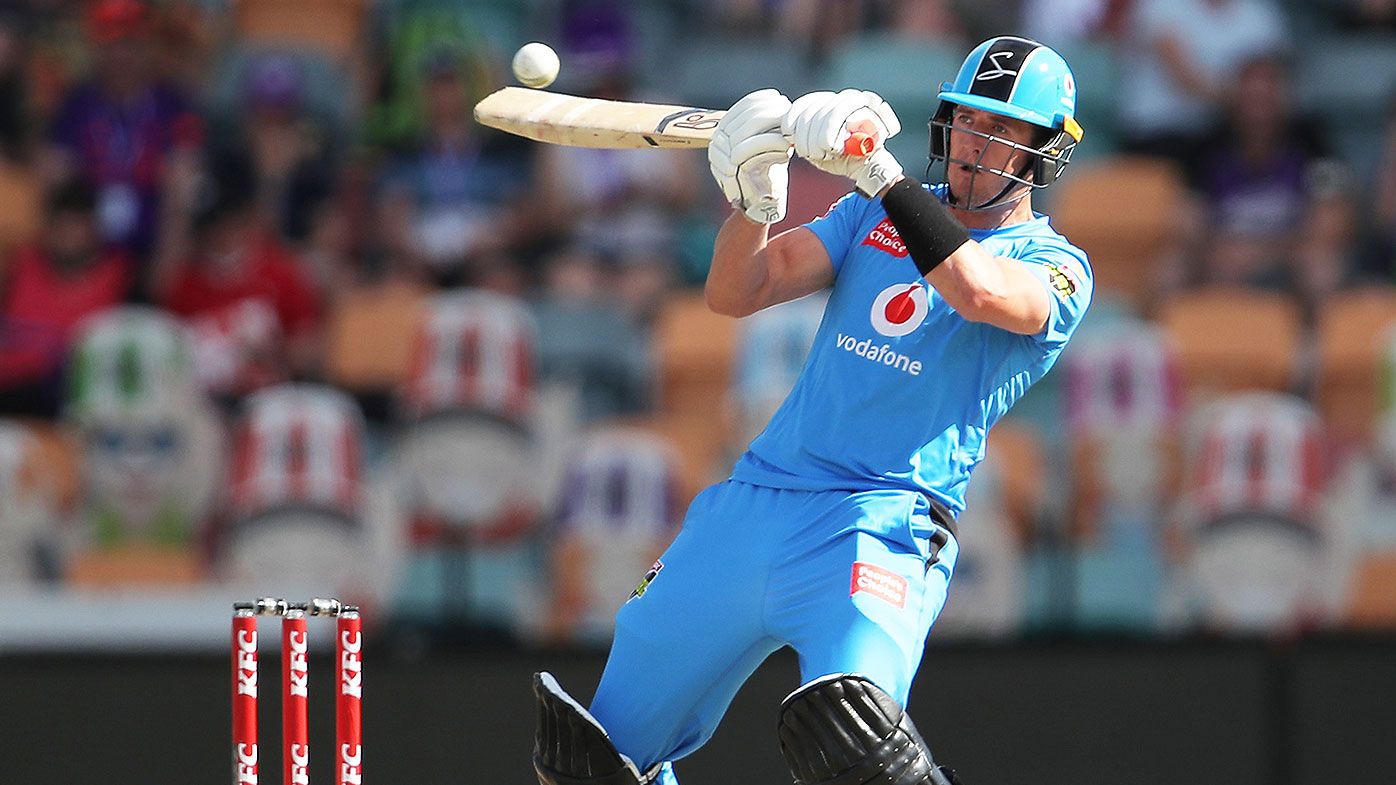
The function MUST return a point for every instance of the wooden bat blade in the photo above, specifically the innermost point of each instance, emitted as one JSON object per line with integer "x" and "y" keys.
{"x": 558, "y": 118}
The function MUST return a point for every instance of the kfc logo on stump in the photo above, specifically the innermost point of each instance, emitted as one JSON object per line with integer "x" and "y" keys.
{"x": 884, "y": 237}
{"x": 899, "y": 309}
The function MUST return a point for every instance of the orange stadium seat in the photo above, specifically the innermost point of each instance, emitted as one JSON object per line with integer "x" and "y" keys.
{"x": 59, "y": 459}
{"x": 135, "y": 565}
{"x": 1018, "y": 453}
{"x": 696, "y": 350}
{"x": 370, "y": 336}
{"x": 22, "y": 195}
{"x": 333, "y": 27}
{"x": 1372, "y": 602}
{"x": 1230, "y": 339}
{"x": 1353, "y": 330}
{"x": 1123, "y": 211}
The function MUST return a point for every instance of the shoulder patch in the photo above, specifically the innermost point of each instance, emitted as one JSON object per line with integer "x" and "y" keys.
{"x": 1063, "y": 280}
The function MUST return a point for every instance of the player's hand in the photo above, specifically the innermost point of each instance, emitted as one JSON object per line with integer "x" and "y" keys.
{"x": 819, "y": 124}
{"x": 750, "y": 156}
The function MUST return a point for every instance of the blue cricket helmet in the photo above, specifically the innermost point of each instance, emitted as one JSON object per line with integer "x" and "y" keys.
{"x": 1023, "y": 79}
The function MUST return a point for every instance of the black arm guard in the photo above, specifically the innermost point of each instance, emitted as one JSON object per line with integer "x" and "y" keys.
{"x": 930, "y": 232}
{"x": 844, "y": 730}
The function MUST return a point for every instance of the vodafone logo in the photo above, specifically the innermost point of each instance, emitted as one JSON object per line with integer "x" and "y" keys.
{"x": 899, "y": 309}
{"x": 884, "y": 237}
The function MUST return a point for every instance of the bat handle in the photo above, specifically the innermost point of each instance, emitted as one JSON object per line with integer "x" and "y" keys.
{"x": 860, "y": 144}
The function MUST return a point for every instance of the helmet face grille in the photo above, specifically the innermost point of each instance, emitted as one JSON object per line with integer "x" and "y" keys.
{"x": 1044, "y": 165}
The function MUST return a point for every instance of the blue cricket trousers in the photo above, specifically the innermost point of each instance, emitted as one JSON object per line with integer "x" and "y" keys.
{"x": 852, "y": 581}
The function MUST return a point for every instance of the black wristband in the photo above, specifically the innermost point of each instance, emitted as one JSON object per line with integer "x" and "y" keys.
{"x": 927, "y": 228}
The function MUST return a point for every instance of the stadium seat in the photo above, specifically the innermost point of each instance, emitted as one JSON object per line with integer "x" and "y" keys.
{"x": 59, "y": 461}
{"x": 22, "y": 194}
{"x": 297, "y": 498}
{"x": 473, "y": 352}
{"x": 1123, "y": 211}
{"x": 135, "y": 564}
{"x": 28, "y": 514}
{"x": 1353, "y": 332}
{"x": 1256, "y": 472}
{"x": 1372, "y": 601}
{"x": 369, "y": 337}
{"x": 1233, "y": 339}
{"x": 332, "y": 27}
{"x": 695, "y": 350}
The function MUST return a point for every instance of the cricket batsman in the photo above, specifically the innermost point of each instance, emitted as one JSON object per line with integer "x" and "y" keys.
{"x": 835, "y": 534}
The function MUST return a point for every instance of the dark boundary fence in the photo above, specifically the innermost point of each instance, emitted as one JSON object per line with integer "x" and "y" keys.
{"x": 1319, "y": 711}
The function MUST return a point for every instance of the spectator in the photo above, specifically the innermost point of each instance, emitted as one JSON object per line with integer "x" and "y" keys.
{"x": 1264, "y": 176}
{"x": 280, "y": 145}
{"x": 460, "y": 194}
{"x": 414, "y": 35}
{"x": 1184, "y": 57}
{"x": 241, "y": 290}
{"x": 48, "y": 288}
{"x": 119, "y": 129}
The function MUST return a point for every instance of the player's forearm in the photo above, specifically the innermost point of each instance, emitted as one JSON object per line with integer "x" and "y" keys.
{"x": 986, "y": 288}
{"x": 739, "y": 272}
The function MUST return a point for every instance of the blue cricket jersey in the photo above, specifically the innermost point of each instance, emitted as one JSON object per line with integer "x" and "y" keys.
{"x": 899, "y": 390}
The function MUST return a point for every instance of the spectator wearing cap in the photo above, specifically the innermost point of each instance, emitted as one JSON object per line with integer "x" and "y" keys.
{"x": 280, "y": 145}
{"x": 47, "y": 289}
{"x": 254, "y": 311}
{"x": 118, "y": 129}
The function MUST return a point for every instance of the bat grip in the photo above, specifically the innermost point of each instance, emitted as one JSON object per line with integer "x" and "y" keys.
{"x": 860, "y": 144}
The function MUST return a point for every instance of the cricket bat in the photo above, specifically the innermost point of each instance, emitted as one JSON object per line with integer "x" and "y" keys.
{"x": 576, "y": 121}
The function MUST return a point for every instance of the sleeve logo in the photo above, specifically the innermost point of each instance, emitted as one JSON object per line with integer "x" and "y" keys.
{"x": 1063, "y": 280}
{"x": 647, "y": 580}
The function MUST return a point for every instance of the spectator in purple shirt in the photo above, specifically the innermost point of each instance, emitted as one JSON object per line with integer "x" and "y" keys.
{"x": 118, "y": 129}
{"x": 1265, "y": 180}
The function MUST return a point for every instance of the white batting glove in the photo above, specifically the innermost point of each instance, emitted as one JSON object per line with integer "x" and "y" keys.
{"x": 819, "y": 125}
{"x": 750, "y": 156}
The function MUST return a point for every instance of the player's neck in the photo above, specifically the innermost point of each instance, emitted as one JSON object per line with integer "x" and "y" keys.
{"x": 1019, "y": 211}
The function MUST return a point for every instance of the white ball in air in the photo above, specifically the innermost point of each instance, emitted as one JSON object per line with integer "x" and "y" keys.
{"x": 536, "y": 65}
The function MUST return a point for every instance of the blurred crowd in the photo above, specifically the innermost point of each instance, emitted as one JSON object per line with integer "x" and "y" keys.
{"x": 276, "y": 313}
